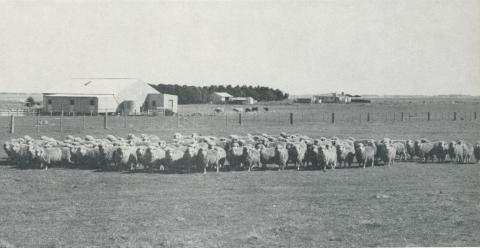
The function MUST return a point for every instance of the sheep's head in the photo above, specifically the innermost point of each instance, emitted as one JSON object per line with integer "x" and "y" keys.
{"x": 443, "y": 145}
{"x": 360, "y": 146}
{"x": 131, "y": 136}
{"x": 177, "y": 135}
{"x": 190, "y": 152}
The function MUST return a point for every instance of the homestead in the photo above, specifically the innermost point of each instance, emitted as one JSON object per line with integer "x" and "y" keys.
{"x": 111, "y": 95}
{"x": 333, "y": 98}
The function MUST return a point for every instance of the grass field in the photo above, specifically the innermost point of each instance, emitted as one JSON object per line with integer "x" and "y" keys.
{"x": 408, "y": 204}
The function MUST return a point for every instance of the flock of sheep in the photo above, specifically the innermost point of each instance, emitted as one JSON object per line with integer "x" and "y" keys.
{"x": 196, "y": 153}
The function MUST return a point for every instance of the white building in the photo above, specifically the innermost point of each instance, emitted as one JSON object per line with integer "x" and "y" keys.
{"x": 220, "y": 97}
{"x": 112, "y": 95}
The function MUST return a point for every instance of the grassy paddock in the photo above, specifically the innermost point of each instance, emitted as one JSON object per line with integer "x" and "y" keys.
{"x": 405, "y": 205}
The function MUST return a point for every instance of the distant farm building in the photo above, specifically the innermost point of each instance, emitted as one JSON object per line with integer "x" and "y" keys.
{"x": 112, "y": 95}
{"x": 220, "y": 97}
{"x": 242, "y": 100}
{"x": 304, "y": 100}
{"x": 333, "y": 98}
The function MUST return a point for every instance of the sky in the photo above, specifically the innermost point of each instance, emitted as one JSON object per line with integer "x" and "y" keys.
{"x": 301, "y": 47}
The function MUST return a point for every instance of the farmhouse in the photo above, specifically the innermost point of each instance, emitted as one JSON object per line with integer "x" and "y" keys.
{"x": 333, "y": 98}
{"x": 112, "y": 95}
{"x": 220, "y": 97}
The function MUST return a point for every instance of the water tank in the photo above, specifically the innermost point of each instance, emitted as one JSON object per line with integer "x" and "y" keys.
{"x": 128, "y": 107}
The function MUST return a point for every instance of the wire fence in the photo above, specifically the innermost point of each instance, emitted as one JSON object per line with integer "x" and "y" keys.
{"x": 46, "y": 124}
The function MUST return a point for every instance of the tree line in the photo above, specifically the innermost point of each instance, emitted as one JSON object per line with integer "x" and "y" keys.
{"x": 195, "y": 94}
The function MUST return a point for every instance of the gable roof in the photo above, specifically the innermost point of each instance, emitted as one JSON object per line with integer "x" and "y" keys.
{"x": 94, "y": 86}
{"x": 223, "y": 94}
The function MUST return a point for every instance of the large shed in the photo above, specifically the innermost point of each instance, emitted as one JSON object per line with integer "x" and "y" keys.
{"x": 100, "y": 95}
{"x": 220, "y": 97}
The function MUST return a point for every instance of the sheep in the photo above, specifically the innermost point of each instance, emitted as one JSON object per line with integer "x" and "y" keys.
{"x": 345, "y": 154}
{"x": 468, "y": 151}
{"x": 267, "y": 155}
{"x": 410, "y": 145}
{"x": 476, "y": 151}
{"x": 210, "y": 158}
{"x": 106, "y": 155}
{"x": 455, "y": 151}
{"x": 173, "y": 156}
{"x": 153, "y": 157}
{"x": 125, "y": 157}
{"x": 281, "y": 156}
{"x": 48, "y": 156}
{"x": 401, "y": 149}
{"x": 424, "y": 150}
{"x": 21, "y": 155}
{"x": 296, "y": 153}
{"x": 365, "y": 154}
{"x": 388, "y": 154}
{"x": 327, "y": 156}
{"x": 311, "y": 155}
{"x": 140, "y": 152}
{"x": 87, "y": 156}
{"x": 235, "y": 157}
{"x": 440, "y": 150}
{"x": 251, "y": 157}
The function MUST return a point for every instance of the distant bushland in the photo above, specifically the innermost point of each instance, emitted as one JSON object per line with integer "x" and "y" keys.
{"x": 195, "y": 94}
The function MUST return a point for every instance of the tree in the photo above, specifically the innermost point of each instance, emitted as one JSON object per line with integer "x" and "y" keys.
{"x": 30, "y": 101}
{"x": 193, "y": 94}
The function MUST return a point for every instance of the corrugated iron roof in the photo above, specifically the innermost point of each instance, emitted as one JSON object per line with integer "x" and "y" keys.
{"x": 76, "y": 95}
{"x": 223, "y": 94}
{"x": 93, "y": 86}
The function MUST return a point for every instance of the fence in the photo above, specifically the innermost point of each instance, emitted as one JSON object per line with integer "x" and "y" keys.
{"x": 47, "y": 124}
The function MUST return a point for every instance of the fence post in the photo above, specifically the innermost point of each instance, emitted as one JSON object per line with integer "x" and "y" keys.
{"x": 124, "y": 118}
{"x": 401, "y": 116}
{"x": 105, "y": 120}
{"x": 12, "y": 124}
{"x": 291, "y": 118}
{"x": 83, "y": 120}
{"x": 428, "y": 116}
{"x": 61, "y": 122}
{"x": 178, "y": 119}
{"x": 226, "y": 119}
{"x": 454, "y": 116}
{"x": 474, "y": 115}
{"x": 368, "y": 117}
{"x": 240, "y": 118}
{"x": 38, "y": 122}
{"x": 333, "y": 117}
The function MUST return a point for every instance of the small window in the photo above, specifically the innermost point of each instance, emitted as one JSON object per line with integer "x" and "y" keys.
{"x": 72, "y": 102}
{"x": 49, "y": 101}
{"x": 154, "y": 103}
{"x": 92, "y": 102}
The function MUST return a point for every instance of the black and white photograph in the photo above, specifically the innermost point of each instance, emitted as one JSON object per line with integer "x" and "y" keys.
{"x": 240, "y": 123}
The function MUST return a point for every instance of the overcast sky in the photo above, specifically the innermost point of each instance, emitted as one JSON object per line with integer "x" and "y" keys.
{"x": 365, "y": 47}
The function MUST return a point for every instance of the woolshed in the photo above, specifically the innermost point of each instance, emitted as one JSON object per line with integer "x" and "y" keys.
{"x": 111, "y": 95}
{"x": 220, "y": 97}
